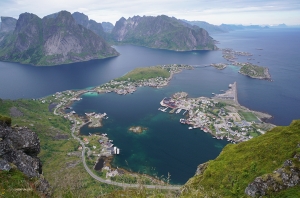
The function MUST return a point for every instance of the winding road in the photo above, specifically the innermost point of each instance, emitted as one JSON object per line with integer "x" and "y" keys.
{"x": 125, "y": 185}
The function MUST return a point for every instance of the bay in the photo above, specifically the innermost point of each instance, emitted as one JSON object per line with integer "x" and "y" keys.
{"x": 168, "y": 146}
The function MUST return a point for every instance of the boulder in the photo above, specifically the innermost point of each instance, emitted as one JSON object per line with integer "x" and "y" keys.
{"x": 4, "y": 165}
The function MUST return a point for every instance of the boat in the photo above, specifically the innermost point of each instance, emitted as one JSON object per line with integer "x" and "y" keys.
{"x": 190, "y": 128}
{"x": 213, "y": 93}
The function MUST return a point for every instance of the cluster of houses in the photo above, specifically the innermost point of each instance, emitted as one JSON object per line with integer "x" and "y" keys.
{"x": 108, "y": 148}
{"x": 200, "y": 115}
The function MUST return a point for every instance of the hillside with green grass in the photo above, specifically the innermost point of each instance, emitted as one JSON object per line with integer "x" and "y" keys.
{"x": 65, "y": 173}
{"x": 145, "y": 73}
{"x": 239, "y": 164}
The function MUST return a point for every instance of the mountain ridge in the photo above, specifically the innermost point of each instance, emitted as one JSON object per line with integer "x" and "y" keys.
{"x": 161, "y": 32}
{"x": 53, "y": 40}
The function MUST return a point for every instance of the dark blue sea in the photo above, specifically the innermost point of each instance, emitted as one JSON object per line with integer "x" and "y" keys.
{"x": 168, "y": 146}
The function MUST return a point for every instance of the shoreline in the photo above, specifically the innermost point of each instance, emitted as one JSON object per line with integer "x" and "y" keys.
{"x": 80, "y": 121}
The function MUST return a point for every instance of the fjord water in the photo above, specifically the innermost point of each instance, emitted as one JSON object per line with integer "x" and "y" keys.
{"x": 168, "y": 146}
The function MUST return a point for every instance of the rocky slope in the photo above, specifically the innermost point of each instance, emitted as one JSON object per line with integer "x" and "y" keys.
{"x": 268, "y": 165}
{"x": 53, "y": 40}
{"x": 19, "y": 147}
{"x": 161, "y": 32}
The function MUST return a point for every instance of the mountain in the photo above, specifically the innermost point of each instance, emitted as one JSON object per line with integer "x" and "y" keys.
{"x": 53, "y": 40}
{"x": 107, "y": 26}
{"x": 8, "y": 24}
{"x": 229, "y": 27}
{"x": 161, "y": 32}
{"x": 83, "y": 20}
{"x": 280, "y": 26}
{"x": 268, "y": 165}
{"x": 211, "y": 29}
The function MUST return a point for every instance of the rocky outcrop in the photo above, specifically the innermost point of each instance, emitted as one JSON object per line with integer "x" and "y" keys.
{"x": 8, "y": 24}
{"x": 201, "y": 168}
{"x": 53, "y": 40}
{"x": 162, "y": 32}
{"x": 20, "y": 147}
{"x": 285, "y": 177}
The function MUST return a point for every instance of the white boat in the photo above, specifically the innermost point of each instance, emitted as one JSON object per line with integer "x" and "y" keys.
{"x": 190, "y": 128}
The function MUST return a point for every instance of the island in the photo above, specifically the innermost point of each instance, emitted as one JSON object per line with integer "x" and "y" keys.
{"x": 247, "y": 69}
{"x": 137, "y": 129}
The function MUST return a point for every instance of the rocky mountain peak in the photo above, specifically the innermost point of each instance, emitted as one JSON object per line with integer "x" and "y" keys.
{"x": 161, "y": 32}
{"x": 81, "y": 18}
{"x": 92, "y": 25}
{"x": 55, "y": 39}
{"x": 8, "y": 24}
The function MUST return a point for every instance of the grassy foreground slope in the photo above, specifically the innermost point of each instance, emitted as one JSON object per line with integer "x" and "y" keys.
{"x": 65, "y": 173}
{"x": 239, "y": 164}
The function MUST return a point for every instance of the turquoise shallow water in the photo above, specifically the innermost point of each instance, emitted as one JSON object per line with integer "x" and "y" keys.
{"x": 167, "y": 147}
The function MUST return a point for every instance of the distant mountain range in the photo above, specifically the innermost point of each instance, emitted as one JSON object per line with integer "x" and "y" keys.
{"x": 55, "y": 39}
{"x": 63, "y": 37}
{"x": 161, "y": 32}
{"x": 213, "y": 29}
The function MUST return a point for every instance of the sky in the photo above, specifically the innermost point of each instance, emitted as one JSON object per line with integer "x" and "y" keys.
{"x": 246, "y": 12}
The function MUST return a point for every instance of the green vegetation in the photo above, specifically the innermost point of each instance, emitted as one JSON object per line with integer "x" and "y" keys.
{"x": 248, "y": 116}
{"x": 15, "y": 184}
{"x": 65, "y": 174}
{"x": 254, "y": 71}
{"x": 239, "y": 164}
{"x": 145, "y": 73}
{"x": 6, "y": 120}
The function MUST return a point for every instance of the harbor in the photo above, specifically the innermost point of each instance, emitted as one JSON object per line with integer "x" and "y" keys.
{"x": 221, "y": 115}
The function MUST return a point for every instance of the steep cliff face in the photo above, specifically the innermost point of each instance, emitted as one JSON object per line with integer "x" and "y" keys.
{"x": 265, "y": 165}
{"x": 53, "y": 40}
{"x": 19, "y": 147}
{"x": 161, "y": 32}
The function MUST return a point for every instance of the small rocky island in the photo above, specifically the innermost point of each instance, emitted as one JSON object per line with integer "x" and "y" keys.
{"x": 247, "y": 69}
{"x": 137, "y": 129}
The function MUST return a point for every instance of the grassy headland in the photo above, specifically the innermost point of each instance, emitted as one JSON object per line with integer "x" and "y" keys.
{"x": 145, "y": 73}
{"x": 238, "y": 165}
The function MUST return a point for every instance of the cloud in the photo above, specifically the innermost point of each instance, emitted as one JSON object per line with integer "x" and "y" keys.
{"x": 112, "y": 10}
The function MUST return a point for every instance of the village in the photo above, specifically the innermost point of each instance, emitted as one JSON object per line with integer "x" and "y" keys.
{"x": 128, "y": 86}
{"x": 220, "y": 115}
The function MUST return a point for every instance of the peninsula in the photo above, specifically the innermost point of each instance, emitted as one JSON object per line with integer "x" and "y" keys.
{"x": 221, "y": 115}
